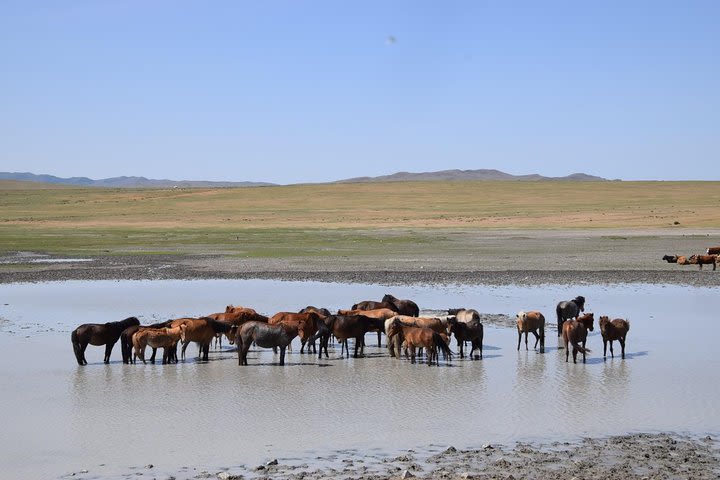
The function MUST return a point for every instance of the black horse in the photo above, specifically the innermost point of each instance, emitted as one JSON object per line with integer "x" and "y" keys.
{"x": 403, "y": 307}
{"x": 99, "y": 334}
{"x": 569, "y": 310}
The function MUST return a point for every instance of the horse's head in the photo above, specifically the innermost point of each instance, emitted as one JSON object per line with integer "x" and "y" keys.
{"x": 587, "y": 320}
{"x": 580, "y": 302}
{"x": 388, "y": 298}
{"x": 521, "y": 315}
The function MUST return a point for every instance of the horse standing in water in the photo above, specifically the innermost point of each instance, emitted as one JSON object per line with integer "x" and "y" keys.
{"x": 99, "y": 334}
{"x": 575, "y": 333}
{"x": 613, "y": 330}
{"x": 569, "y": 310}
{"x": 266, "y": 336}
{"x": 531, "y": 322}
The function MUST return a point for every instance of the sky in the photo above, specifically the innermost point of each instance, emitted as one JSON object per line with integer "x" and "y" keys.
{"x": 312, "y": 91}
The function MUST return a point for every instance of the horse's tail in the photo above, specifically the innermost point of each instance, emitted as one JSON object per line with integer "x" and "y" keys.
{"x": 440, "y": 343}
{"x": 239, "y": 345}
{"x": 627, "y": 322}
{"x": 76, "y": 346}
{"x": 577, "y": 347}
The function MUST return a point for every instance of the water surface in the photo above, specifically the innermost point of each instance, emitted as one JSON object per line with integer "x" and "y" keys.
{"x": 61, "y": 418}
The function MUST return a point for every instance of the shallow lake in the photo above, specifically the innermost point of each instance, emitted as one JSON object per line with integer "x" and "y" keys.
{"x": 60, "y": 418}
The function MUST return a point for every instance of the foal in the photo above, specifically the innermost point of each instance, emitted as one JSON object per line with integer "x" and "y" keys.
{"x": 575, "y": 332}
{"x": 531, "y": 322}
{"x": 613, "y": 330}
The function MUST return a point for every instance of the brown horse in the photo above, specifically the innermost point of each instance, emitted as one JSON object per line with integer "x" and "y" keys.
{"x": 415, "y": 336}
{"x": 373, "y": 305}
{"x": 323, "y": 312}
{"x": 98, "y": 334}
{"x": 237, "y": 316}
{"x": 237, "y": 308}
{"x": 403, "y": 307}
{"x": 381, "y": 313}
{"x": 201, "y": 331}
{"x": 574, "y": 333}
{"x": 610, "y": 330}
{"x": 307, "y": 323}
{"x": 531, "y": 322}
{"x": 396, "y": 339}
{"x": 344, "y": 327}
{"x": 266, "y": 336}
{"x": 165, "y": 338}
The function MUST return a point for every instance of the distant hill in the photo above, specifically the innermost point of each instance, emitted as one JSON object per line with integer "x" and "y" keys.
{"x": 142, "y": 182}
{"x": 457, "y": 175}
{"x": 123, "y": 182}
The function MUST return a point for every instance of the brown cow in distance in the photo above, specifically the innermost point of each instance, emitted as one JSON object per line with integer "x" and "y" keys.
{"x": 682, "y": 260}
{"x": 713, "y": 251}
{"x": 701, "y": 260}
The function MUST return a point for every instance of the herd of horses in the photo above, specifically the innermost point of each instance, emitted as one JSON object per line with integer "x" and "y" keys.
{"x": 406, "y": 331}
{"x": 711, "y": 257}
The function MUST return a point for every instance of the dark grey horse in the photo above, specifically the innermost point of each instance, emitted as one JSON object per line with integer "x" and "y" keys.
{"x": 569, "y": 310}
{"x": 264, "y": 335}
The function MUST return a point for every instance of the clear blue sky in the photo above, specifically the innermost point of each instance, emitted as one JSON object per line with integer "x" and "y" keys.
{"x": 298, "y": 91}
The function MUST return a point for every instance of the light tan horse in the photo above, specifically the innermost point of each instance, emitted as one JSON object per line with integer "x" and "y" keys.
{"x": 531, "y": 322}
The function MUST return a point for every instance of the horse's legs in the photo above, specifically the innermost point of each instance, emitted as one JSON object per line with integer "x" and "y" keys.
{"x": 108, "y": 351}
{"x": 282, "y": 355}
{"x": 567, "y": 351}
{"x": 537, "y": 339}
{"x": 605, "y": 348}
{"x": 612, "y": 353}
{"x": 412, "y": 354}
{"x": 81, "y": 349}
{"x": 379, "y": 335}
{"x": 622, "y": 346}
{"x": 519, "y": 338}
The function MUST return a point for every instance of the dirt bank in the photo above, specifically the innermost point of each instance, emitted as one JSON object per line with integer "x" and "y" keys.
{"x": 637, "y": 456}
{"x": 437, "y": 270}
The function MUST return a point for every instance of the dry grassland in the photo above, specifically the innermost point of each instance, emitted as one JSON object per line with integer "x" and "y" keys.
{"x": 285, "y": 220}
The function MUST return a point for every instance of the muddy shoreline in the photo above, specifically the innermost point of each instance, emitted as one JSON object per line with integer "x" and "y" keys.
{"x": 635, "y": 456}
{"x": 33, "y": 267}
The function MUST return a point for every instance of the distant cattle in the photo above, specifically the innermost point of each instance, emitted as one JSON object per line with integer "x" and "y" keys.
{"x": 713, "y": 251}
{"x": 701, "y": 260}
{"x": 682, "y": 260}
{"x": 670, "y": 258}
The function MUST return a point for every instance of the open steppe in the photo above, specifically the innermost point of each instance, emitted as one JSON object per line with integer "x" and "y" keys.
{"x": 478, "y": 232}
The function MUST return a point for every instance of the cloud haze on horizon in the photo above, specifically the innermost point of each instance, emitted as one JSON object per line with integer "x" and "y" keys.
{"x": 291, "y": 92}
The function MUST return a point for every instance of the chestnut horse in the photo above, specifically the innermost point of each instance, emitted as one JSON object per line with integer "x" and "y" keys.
{"x": 403, "y": 307}
{"x": 415, "y": 336}
{"x": 531, "y": 322}
{"x": 575, "y": 333}
{"x": 567, "y": 310}
{"x": 308, "y": 324}
{"x": 201, "y": 331}
{"x": 613, "y": 330}
{"x": 98, "y": 334}
{"x": 266, "y": 336}
{"x": 126, "y": 342}
{"x": 165, "y": 338}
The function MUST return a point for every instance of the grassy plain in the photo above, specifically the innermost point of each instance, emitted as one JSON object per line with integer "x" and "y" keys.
{"x": 336, "y": 219}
